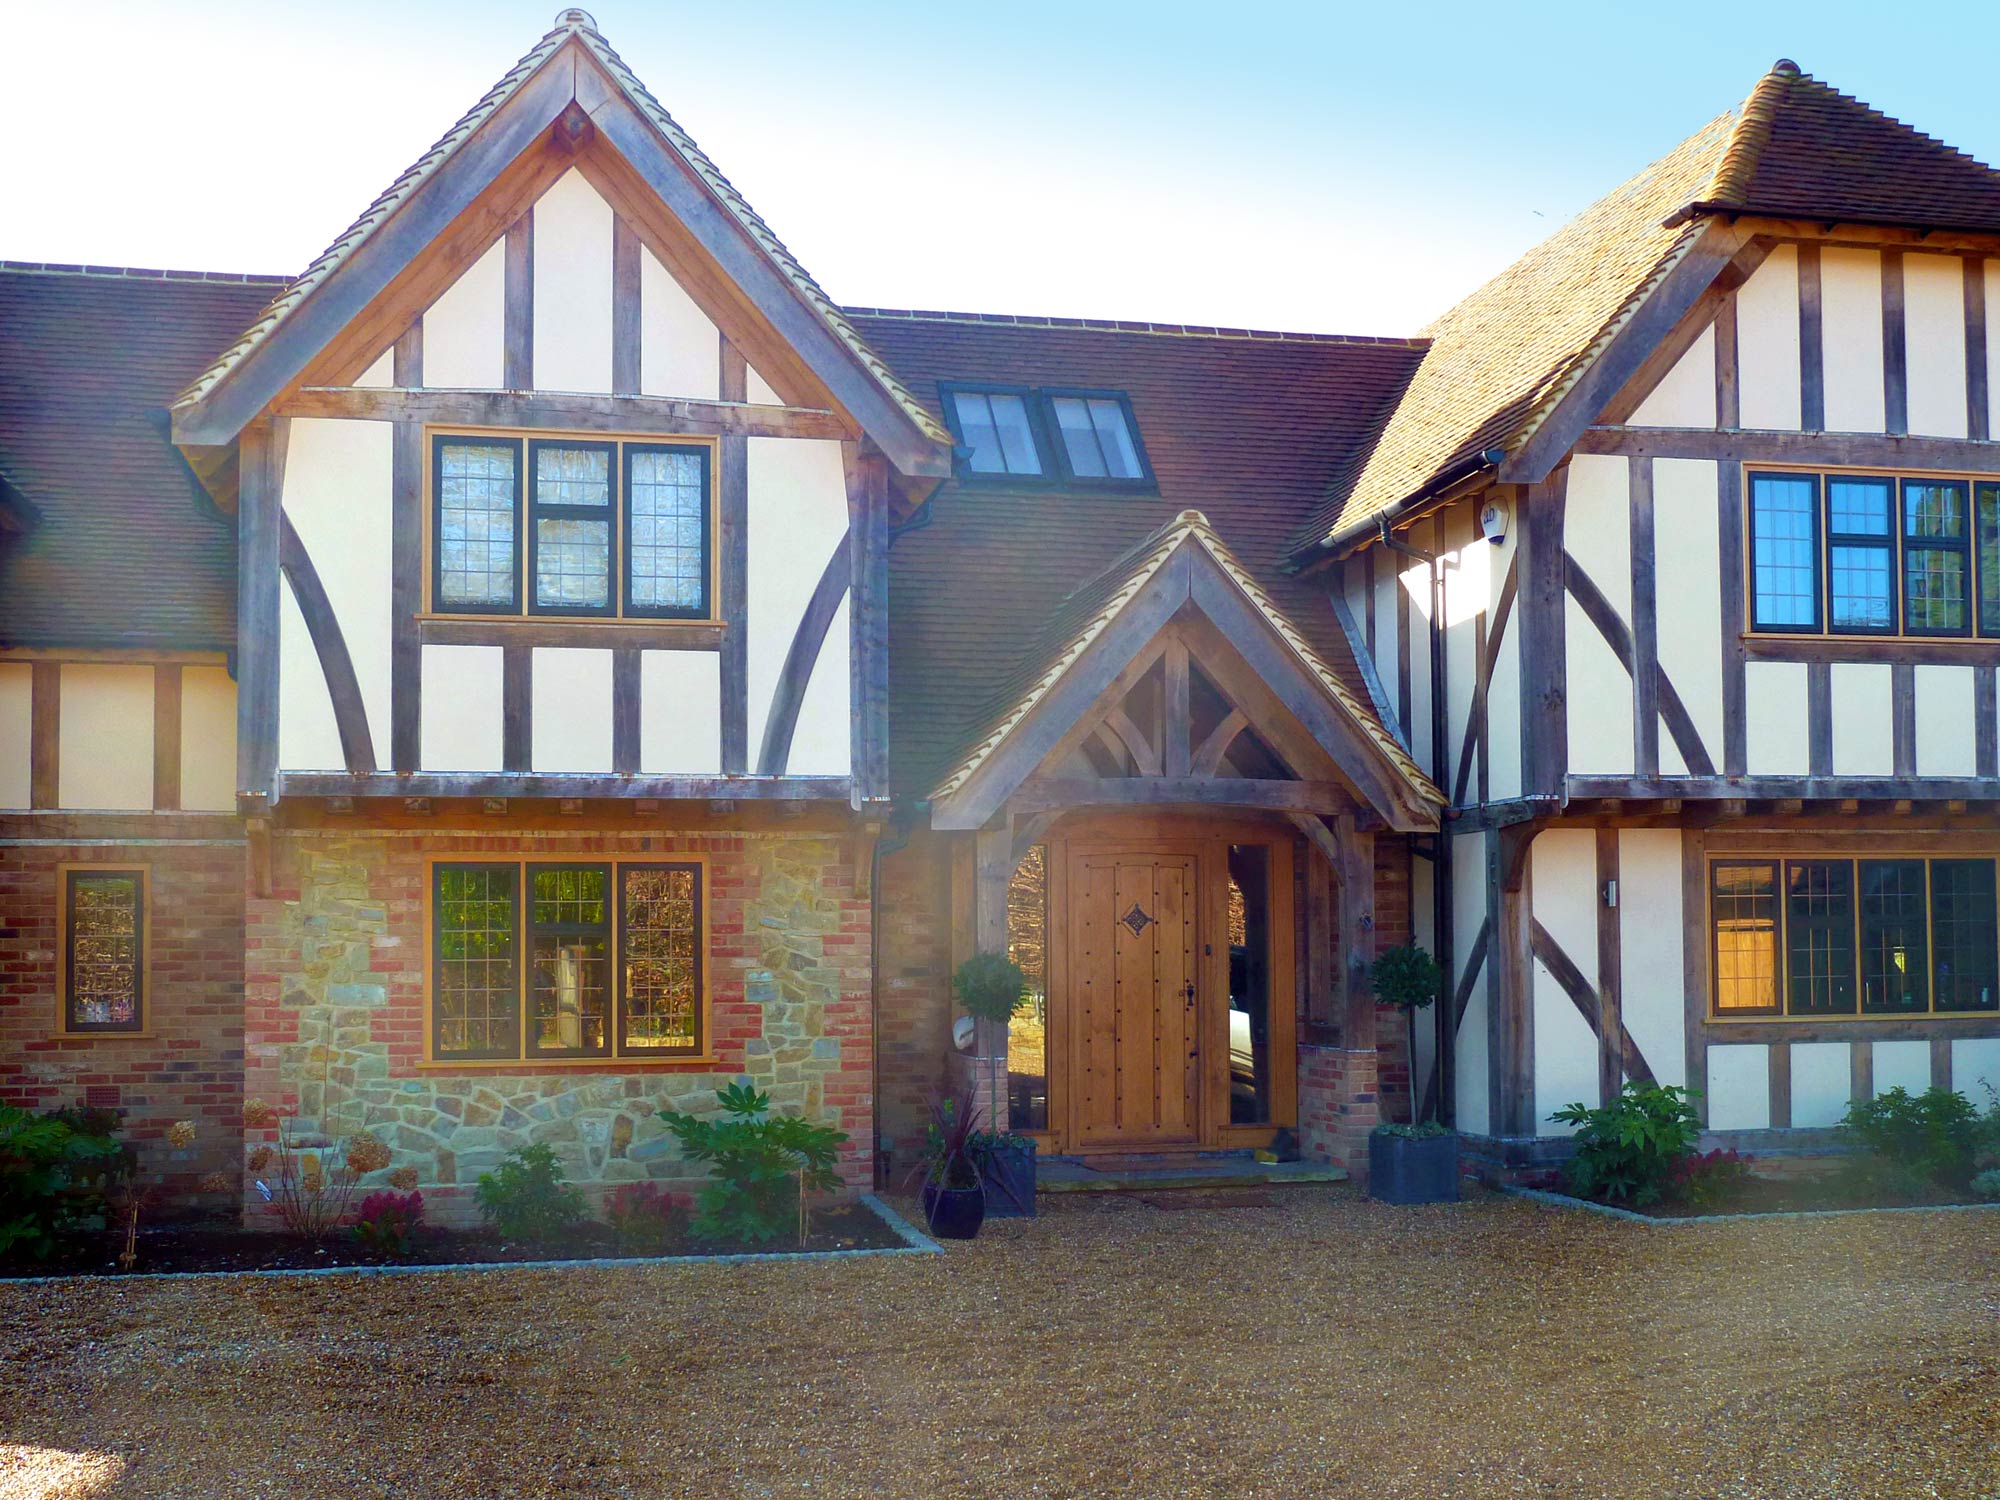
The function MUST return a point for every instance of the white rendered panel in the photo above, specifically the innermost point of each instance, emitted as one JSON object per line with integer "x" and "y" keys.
{"x": 680, "y": 352}
{"x": 1975, "y": 1068}
{"x": 465, "y": 330}
{"x": 1387, "y": 596}
{"x": 1503, "y": 688}
{"x": 572, "y": 716}
{"x": 1903, "y": 1065}
{"x": 1651, "y": 977}
{"x": 1774, "y": 730}
{"x": 1822, "y": 1077}
{"x": 1946, "y": 718}
{"x": 462, "y": 708}
{"x": 1767, "y": 343}
{"x": 1688, "y": 592}
{"x": 1563, "y": 884}
{"x": 339, "y": 490}
{"x": 1416, "y": 607}
{"x": 680, "y": 713}
{"x": 1686, "y": 397}
{"x": 17, "y": 679}
{"x": 823, "y": 742}
{"x": 105, "y": 745}
{"x": 1468, "y": 879}
{"x": 1934, "y": 343}
{"x": 382, "y": 372}
{"x": 1851, "y": 339}
{"x": 760, "y": 390}
{"x": 572, "y": 287}
{"x": 1864, "y": 728}
{"x": 208, "y": 740}
{"x": 308, "y": 734}
{"x": 1599, "y": 701}
{"x": 798, "y": 514}
{"x": 1739, "y": 1087}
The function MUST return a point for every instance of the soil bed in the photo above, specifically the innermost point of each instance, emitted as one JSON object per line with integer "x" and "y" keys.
{"x": 1773, "y": 1195}
{"x": 227, "y": 1248}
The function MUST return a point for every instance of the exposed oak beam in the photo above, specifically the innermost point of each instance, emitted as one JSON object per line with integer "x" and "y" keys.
{"x": 572, "y": 411}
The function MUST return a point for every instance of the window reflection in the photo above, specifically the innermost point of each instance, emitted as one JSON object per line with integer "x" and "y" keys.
{"x": 1249, "y": 984}
{"x": 1028, "y": 1032}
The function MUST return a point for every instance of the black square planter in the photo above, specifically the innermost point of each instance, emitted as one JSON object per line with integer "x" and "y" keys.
{"x": 1008, "y": 1175}
{"x": 1413, "y": 1169}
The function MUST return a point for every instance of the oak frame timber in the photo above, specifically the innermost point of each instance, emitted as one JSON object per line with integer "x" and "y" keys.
{"x": 650, "y": 416}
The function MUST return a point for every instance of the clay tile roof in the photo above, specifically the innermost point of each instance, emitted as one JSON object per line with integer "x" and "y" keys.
{"x": 577, "y": 24}
{"x": 1803, "y": 149}
{"x": 1085, "y": 614}
{"x": 1500, "y": 359}
{"x": 121, "y": 551}
{"x": 1502, "y": 356}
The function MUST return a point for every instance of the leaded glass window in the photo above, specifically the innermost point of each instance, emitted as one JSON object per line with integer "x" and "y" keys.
{"x": 667, "y": 531}
{"x": 1861, "y": 554}
{"x": 1936, "y": 566}
{"x": 1784, "y": 551}
{"x": 571, "y": 509}
{"x": 1963, "y": 935}
{"x": 1987, "y": 505}
{"x": 1895, "y": 967}
{"x": 477, "y": 524}
{"x": 660, "y": 925}
{"x": 475, "y": 991}
{"x": 546, "y": 960}
{"x": 104, "y": 950}
{"x": 1744, "y": 909}
{"x": 1819, "y": 937}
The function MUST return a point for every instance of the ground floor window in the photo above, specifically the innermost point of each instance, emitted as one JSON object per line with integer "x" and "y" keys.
{"x": 103, "y": 949}
{"x": 1842, "y": 937}
{"x": 536, "y": 960}
{"x": 1028, "y": 1032}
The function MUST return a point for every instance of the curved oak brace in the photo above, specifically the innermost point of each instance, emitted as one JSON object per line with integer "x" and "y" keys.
{"x": 1207, "y": 759}
{"x": 1687, "y": 739}
{"x": 350, "y": 714}
{"x": 800, "y": 660}
{"x": 1549, "y": 953}
{"x": 1475, "y": 721}
{"x": 1145, "y": 758}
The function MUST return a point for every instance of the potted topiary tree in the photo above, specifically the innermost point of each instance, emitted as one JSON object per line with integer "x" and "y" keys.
{"x": 989, "y": 987}
{"x": 1418, "y": 1162}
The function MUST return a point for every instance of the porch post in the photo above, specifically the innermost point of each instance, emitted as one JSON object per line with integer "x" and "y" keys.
{"x": 993, "y": 869}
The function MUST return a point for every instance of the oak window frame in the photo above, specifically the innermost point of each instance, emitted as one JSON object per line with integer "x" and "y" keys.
{"x": 68, "y": 876}
{"x": 1863, "y": 929}
{"x": 1979, "y": 534}
{"x": 527, "y": 1056}
{"x": 523, "y": 606}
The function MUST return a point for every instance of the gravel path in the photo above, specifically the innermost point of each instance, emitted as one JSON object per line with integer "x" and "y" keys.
{"x": 1304, "y": 1343}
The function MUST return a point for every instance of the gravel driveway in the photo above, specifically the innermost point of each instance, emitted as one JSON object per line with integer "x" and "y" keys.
{"x": 1301, "y": 1343}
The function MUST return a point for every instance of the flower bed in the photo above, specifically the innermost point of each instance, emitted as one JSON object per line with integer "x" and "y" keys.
{"x": 227, "y": 1248}
{"x": 1759, "y": 1193}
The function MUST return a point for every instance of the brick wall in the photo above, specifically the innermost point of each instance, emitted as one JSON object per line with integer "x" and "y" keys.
{"x": 189, "y": 1065}
{"x": 1392, "y": 929}
{"x": 914, "y": 943}
{"x": 335, "y": 1002}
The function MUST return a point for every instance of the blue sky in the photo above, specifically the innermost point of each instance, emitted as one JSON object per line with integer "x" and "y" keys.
{"x": 1344, "y": 168}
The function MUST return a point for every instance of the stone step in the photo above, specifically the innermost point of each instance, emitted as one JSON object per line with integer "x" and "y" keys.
{"x": 1114, "y": 1174}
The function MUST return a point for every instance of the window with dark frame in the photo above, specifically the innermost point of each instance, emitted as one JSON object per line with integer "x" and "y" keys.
{"x": 571, "y": 528}
{"x": 104, "y": 950}
{"x": 1873, "y": 555}
{"x": 1908, "y": 936}
{"x": 1018, "y": 435}
{"x": 537, "y": 961}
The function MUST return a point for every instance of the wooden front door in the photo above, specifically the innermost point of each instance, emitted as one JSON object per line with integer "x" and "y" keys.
{"x": 1135, "y": 973}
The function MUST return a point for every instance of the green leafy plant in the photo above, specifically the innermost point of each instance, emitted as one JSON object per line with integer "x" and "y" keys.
{"x": 57, "y": 1171}
{"x": 527, "y": 1197}
{"x": 1935, "y": 1136}
{"x": 1986, "y": 1186}
{"x": 1408, "y": 978}
{"x": 950, "y": 1158}
{"x": 1708, "y": 1180}
{"x": 641, "y": 1215}
{"x": 1627, "y": 1150}
{"x": 989, "y": 986}
{"x": 761, "y": 1165}
{"x": 1427, "y": 1130}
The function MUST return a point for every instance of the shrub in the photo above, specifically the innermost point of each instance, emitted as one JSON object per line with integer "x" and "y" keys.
{"x": 1428, "y": 1130}
{"x": 1986, "y": 1186}
{"x": 1627, "y": 1149}
{"x": 989, "y": 986}
{"x": 385, "y": 1221}
{"x": 761, "y": 1165}
{"x": 1935, "y": 1136}
{"x": 1406, "y": 977}
{"x": 527, "y": 1196}
{"x": 1707, "y": 1180}
{"x": 640, "y": 1215}
{"x": 56, "y": 1172}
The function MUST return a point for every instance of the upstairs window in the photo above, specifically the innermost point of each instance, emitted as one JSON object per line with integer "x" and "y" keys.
{"x": 1019, "y": 436}
{"x": 1864, "y": 554}
{"x": 571, "y": 528}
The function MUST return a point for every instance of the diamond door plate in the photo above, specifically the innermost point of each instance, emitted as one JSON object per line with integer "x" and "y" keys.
{"x": 1136, "y": 919}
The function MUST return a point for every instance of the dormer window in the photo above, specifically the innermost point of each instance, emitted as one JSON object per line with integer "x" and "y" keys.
{"x": 1097, "y": 436}
{"x": 1010, "y": 435}
{"x": 574, "y": 528}
{"x": 995, "y": 425}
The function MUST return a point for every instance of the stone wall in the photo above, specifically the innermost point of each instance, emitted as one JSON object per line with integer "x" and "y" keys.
{"x": 335, "y": 998}
{"x": 187, "y": 1064}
